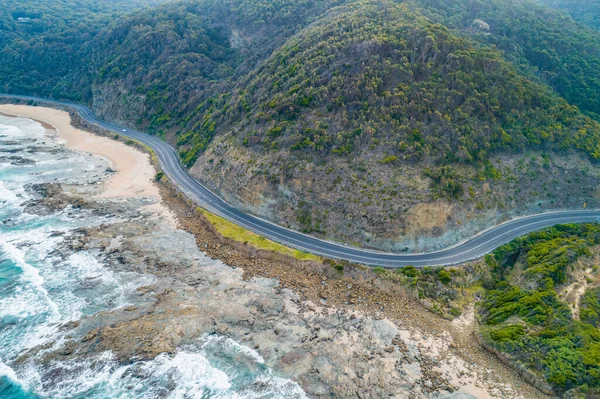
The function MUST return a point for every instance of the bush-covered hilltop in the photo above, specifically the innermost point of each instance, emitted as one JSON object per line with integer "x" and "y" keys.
{"x": 544, "y": 43}
{"x": 353, "y": 119}
{"x": 584, "y": 11}
{"x": 363, "y": 68}
{"x": 380, "y": 75}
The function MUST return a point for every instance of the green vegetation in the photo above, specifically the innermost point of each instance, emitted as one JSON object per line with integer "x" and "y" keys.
{"x": 444, "y": 182}
{"x": 589, "y": 307}
{"x": 522, "y": 315}
{"x": 545, "y": 44}
{"x": 411, "y": 86}
{"x": 238, "y": 233}
{"x": 328, "y": 78}
{"x": 46, "y": 52}
{"x": 586, "y": 12}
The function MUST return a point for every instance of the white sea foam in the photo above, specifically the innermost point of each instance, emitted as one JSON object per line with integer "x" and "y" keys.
{"x": 87, "y": 266}
{"x": 24, "y": 302}
{"x": 21, "y": 127}
{"x": 31, "y": 297}
{"x": 185, "y": 375}
{"x": 232, "y": 346}
{"x": 71, "y": 378}
{"x": 30, "y": 273}
{"x": 188, "y": 374}
{"x": 13, "y": 132}
{"x": 8, "y": 372}
{"x": 10, "y": 195}
{"x": 192, "y": 373}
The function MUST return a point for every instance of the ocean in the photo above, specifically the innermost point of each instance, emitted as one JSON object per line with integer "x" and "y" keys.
{"x": 42, "y": 290}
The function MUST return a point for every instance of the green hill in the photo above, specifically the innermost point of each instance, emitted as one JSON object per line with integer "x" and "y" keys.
{"x": 545, "y": 44}
{"x": 380, "y": 77}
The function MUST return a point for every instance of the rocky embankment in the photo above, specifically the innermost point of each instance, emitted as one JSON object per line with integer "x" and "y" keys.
{"x": 331, "y": 350}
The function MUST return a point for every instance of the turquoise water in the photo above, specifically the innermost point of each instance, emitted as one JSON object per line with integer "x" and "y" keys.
{"x": 41, "y": 289}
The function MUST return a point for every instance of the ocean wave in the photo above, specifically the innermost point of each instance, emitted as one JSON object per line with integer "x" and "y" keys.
{"x": 21, "y": 127}
{"x": 8, "y": 372}
{"x": 31, "y": 276}
{"x": 190, "y": 373}
{"x": 9, "y": 195}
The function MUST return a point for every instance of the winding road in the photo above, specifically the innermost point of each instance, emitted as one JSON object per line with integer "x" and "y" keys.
{"x": 470, "y": 249}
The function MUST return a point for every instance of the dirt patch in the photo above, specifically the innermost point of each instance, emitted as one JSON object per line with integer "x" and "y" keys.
{"x": 427, "y": 218}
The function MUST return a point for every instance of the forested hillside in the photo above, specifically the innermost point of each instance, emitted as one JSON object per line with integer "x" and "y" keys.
{"x": 584, "y": 11}
{"x": 178, "y": 56}
{"x": 379, "y": 75}
{"x": 375, "y": 122}
{"x": 545, "y": 44}
{"x": 42, "y": 42}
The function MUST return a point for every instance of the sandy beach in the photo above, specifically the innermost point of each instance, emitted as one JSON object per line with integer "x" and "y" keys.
{"x": 134, "y": 173}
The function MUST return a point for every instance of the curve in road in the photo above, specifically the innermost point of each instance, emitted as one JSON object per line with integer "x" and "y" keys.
{"x": 470, "y": 249}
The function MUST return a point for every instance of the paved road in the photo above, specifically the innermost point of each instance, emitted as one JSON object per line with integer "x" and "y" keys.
{"x": 473, "y": 248}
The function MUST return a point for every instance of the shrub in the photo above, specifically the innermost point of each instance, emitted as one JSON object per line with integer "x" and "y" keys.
{"x": 444, "y": 277}
{"x": 410, "y": 271}
{"x": 507, "y": 333}
{"x": 389, "y": 159}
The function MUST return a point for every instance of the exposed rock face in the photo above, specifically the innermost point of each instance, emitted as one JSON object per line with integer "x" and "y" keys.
{"x": 392, "y": 207}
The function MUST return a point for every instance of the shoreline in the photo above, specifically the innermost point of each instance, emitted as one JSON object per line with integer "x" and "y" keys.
{"x": 133, "y": 170}
{"x": 318, "y": 285}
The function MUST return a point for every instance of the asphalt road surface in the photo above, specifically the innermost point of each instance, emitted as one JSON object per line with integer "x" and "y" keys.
{"x": 470, "y": 249}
